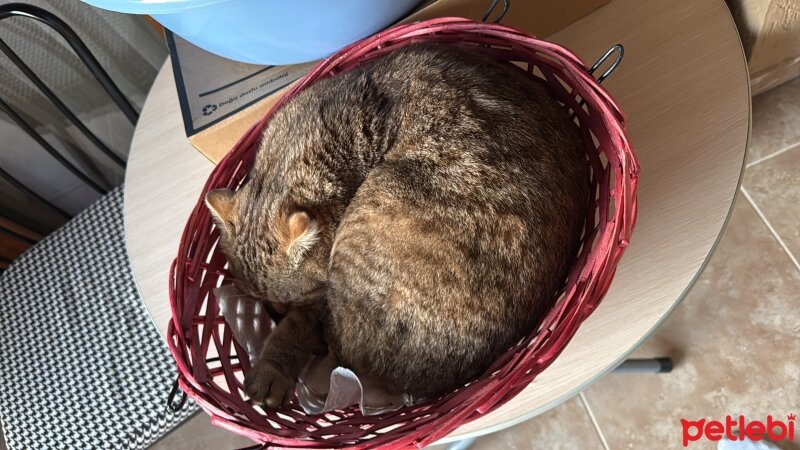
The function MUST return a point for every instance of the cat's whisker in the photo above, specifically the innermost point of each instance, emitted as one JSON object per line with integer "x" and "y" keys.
{"x": 256, "y": 296}
{"x": 238, "y": 296}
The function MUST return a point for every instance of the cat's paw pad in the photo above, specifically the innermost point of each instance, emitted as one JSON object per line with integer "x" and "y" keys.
{"x": 266, "y": 385}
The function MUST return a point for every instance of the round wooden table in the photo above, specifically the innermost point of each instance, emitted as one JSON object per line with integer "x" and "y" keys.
{"x": 685, "y": 89}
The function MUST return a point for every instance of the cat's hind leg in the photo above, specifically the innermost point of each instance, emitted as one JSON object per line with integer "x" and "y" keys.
{"x": 272, "y": 379}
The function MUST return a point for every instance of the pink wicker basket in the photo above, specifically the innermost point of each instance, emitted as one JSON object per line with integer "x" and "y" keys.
{"x": 211, "y": 363}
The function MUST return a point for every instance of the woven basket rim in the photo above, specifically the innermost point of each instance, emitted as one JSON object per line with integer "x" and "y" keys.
{"x": 197, "y": 268}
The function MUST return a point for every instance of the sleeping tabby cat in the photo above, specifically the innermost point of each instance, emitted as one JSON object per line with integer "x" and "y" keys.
{"x": 418, "y": 214}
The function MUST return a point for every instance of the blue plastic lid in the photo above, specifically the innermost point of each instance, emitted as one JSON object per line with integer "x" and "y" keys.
{"x": 151, "y": 6}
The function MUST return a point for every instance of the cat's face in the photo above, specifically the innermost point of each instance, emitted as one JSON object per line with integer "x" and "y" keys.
{"x": 270, "y": 244}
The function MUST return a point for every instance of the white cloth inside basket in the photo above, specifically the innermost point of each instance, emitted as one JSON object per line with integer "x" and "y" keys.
{"x": 323, "y": 385}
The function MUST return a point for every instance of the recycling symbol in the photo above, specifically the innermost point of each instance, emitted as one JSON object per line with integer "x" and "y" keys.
{"x": 209, "y": 109}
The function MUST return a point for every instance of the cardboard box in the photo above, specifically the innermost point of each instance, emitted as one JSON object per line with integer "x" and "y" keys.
{"x": 220, "y": 99}
{"x": 538, "y": 17}
{"x": 770, "y": 32}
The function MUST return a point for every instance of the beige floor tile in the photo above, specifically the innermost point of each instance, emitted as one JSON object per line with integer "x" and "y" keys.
{"x": 774, "y": 185}
{"x": 565, "y": 427}
{"x": 199, "y": 434}
{"x": 735, "y": 341}
{"x": 776, "y": 120}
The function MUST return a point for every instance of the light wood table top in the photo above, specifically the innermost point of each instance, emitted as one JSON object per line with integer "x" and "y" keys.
{"x": 684, "y": 87}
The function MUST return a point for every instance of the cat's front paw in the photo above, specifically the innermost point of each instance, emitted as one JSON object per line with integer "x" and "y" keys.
{"x": 267, "y": 385}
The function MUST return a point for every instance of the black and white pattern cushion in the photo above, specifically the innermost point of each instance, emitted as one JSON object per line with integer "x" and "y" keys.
{"x": 81, "y": 364}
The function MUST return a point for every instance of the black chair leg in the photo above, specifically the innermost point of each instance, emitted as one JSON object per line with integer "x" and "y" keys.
{"x": 649, "y": 365}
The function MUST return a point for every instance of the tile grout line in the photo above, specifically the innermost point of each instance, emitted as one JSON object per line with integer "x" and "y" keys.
{"x": 771, "y": 229}
{"x": 772, "y": 155}
{"x": 592, "y": 418}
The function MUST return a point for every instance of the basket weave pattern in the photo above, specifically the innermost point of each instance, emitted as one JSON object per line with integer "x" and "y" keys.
{"x": 211, "y": 363}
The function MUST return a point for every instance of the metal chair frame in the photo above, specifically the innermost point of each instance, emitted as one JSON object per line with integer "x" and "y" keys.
{"x": 90, "y": 62}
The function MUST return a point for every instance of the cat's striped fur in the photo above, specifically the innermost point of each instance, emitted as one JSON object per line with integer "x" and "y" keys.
{"x": 423, "y": 209}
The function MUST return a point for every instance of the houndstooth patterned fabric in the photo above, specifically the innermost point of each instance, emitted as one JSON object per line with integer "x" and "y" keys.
{"x": 81, "y": 364}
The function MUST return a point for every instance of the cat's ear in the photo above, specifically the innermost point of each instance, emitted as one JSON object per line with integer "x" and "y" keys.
{"x": 303, "y": 231}
{"x": 220, "y": 204}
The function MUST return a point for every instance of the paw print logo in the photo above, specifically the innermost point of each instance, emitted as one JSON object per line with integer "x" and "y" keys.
{"x": 209, "y": 109}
